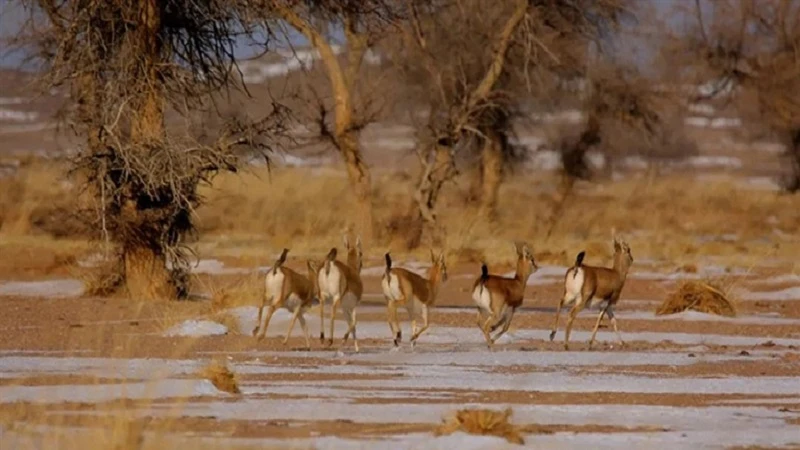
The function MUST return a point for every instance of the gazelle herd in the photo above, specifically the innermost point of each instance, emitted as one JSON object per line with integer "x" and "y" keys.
{"x": 496, "y": 297}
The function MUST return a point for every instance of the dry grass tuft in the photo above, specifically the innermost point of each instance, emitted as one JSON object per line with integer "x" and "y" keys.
{"x": 221, "y": 377}
{"x": 483, "y": 422}
{"x": 698, "y": 296}
{"x": 102, "y": 280}
{"x": 244, "y": 291}
{"x": 229, "y": 321}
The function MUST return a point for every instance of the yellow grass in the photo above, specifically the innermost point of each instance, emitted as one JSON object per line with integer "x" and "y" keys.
{"x": 700, "y": 296}
{"x": 221, "y": 377}
{"x": 482, "y": 422}
{"x": 253, "y": 215}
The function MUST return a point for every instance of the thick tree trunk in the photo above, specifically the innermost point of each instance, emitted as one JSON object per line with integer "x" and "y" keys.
{"x": 146, "y": 274}
{"x": 491, "y": 174}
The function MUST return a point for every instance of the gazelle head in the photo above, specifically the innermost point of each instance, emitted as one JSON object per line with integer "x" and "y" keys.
{"x": 354, "y": 254}
{"x": 438, "y": 266}
{"x": 313, "y": 275}
{"x": 622, "y": 253}
{"x": 525, "y": 256}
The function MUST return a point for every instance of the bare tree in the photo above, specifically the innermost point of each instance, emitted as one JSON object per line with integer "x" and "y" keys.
{"x": 752, "y": 50}
{"x": 362, "y": 23}
{"x": 474, "y": 92}
{"x": 127, "y": 65}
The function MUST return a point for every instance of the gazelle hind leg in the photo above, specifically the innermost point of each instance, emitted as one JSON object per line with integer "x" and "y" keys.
{"x": 350, "y": 314}
{"x": 565, "y": 299}
{"x": 336, "y": 300}
{"x": 416, "y": 335}
{"x": 506, "y": 323}
{"x": 572, "y": 314}
{"x": 304, "y": 326}
{"x": 394, "y": 324}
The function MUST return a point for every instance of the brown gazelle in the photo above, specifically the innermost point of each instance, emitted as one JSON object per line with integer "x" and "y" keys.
{"x": 354, "y": 255}
{"x": 404, "y": 287}
{"x": 283, "y": 287}
{"x": 340, "y": 283}
{"x": 497, "y": 297}
{"x": 583, "y": 283}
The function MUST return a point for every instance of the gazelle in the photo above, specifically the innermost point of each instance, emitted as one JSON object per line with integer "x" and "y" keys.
{"x": 497, "y": 297}
{"x": 283, "y": 287}
{"x": 402, "y": 286}
{"x": 583, "y": 283}
{"x": 342, "y": 284}
{"x": 354, "y": 254}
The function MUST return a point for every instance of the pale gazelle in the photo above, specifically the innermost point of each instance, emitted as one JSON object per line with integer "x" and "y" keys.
{"x": 404, "y": 287}
{"x": 283, "y": 287}
{"x": 583, "y": 283}
{"x": 340, "y": 283}
{"x": 497, "y": 297}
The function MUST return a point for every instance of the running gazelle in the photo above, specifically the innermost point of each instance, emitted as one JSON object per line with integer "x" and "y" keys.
{"x": 285, "y": 288}
{"x": 497, "y": 297}
{"x": 583, "y": 283}
{"x": 341, "y": 283}
{"x": 404, "y": 287}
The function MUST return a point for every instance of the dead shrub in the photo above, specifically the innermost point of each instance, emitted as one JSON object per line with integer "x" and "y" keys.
{"x": 482, "y": 422}
{"x": 221, "y": 377}
{"x": 699, "y": 296}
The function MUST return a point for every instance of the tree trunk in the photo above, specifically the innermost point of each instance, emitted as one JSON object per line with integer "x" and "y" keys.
{"x": 793, "y": 152}
{"x": 360, "y": 181}
{"x": 344, "y": 136}
{"x": 432, "y": 177}
{"x": 146, "y": 273}
{"x": 491, "y": 174}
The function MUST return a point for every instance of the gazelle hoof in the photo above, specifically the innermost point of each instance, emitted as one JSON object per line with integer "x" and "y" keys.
{"x": 552, "y": 335}
{"x": 255, "y": 331}
{"x": 330, "y": 342}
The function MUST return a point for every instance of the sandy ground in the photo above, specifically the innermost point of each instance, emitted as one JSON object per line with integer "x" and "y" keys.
{"x": 71, "y": 367}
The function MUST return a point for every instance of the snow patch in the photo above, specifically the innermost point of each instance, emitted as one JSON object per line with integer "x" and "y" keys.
{"x": 67, "y": 287}
{"x": 197, "y": 328}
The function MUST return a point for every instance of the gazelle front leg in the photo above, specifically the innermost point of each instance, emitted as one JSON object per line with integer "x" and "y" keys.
{"x": 295, "y": 314}
{"x": 558, "y": 314}
{"x": 597, "y": 324}
{"x": 614, "y": 324}
{"x": 350, "y": 313}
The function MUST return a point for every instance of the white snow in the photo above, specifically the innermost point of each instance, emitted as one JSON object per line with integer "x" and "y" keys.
{"x": 47, "y": 288}
{"x": 197, "y": 328}
{"x": 791, "y": 293}
{"x": 93, "y": 393}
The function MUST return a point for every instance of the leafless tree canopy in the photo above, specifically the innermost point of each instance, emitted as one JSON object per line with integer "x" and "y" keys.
{"x": 127, "y": 65}
{"x": 752, "y": 47}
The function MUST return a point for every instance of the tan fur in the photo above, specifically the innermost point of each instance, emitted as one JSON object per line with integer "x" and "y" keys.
{"x": 347, "y": 287}
{"x": 505, "y": 295}
{"x": 292, "y": 286}
{"x": 602, "y": 283}
{"x": 404, "y": 287}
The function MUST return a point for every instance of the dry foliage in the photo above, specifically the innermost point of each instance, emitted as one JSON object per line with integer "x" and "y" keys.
{"x": 482, "y": 422}
{"x": 221, "y": 377}
{"x": 700, "y": 296}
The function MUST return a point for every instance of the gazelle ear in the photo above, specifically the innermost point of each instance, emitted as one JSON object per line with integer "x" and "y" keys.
{"x": 358, "y": 243}
{"x": 516, "y": 248}
{"x": 433, "y": 256}
{"x": 346, "y": 242}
